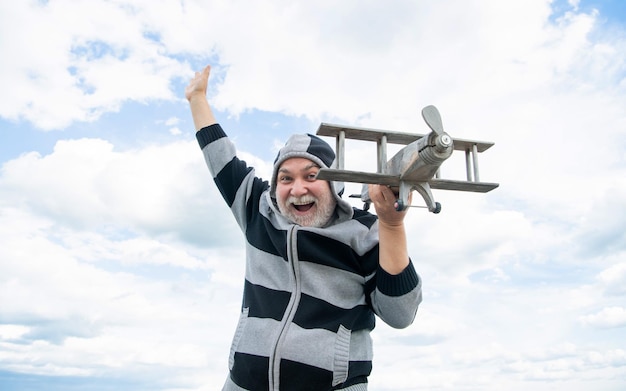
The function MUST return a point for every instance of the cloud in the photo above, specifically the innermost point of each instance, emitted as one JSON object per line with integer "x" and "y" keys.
{"x": 93, "y": 305}
{"x": 112, "y": 259}
{"x": 614, "y": 277}
{"x": 606, "y": 318}
{"x": 122, "y": 261}
{"x": 161, "y": 190}
{"x": 114, "y": 53}
{"x": 98, "y": 274}
{"x": 87, "y": 62}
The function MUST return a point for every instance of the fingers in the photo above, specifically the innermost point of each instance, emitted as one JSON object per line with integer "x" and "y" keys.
{"x": 388, "y": 194}
{"x": 382, "y": 193}
{"x": 200, "y": 74}
{"x": 383, "y": 198}
{"x": 198, "y": 84}
{"x": 204, "y": 74}
{"x": 386, "y": 204}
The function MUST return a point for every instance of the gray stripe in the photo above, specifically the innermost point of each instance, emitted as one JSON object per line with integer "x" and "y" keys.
{"x": 259, "y": 336}
{"x": 335, "y": 286}
{"x": 356, "y": 387}
{"x": 241, "y": 199}
{"x": 361, "y": 348}
{"x": 397, "y": 311}
{"x": 268, "y": 270}
{"x": 243, "y": 318}
{"x": 218, "y": 154}
{"x": 311, "y": 346}
{"x": 308, "y": 346}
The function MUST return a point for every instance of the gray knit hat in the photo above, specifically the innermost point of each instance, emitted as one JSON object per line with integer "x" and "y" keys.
{"x": 318, "y": 151}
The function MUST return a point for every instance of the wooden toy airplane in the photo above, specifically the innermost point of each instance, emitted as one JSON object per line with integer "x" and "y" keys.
{"x": 414, "y": 167}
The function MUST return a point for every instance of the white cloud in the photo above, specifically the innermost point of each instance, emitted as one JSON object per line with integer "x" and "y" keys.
{"x": 172, "y": 121}
{"x": 72, "y": 61}
{"x": 12, "y": 332}
{"x": 91, "y": 305}
{"x": 606, "y": 318}
{"x": 614, "y": 277}
{"x": 175, "y": 131}
{"x": 118, "y": 260}
{"x": 87, "y": 184}
{"x": 92, "y": 262}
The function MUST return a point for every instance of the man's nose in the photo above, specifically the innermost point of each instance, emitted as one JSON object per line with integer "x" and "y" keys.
{"x": 299, "y": 188}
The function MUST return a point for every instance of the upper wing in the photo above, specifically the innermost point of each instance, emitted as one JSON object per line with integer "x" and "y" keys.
{"x": 366, "y": 134}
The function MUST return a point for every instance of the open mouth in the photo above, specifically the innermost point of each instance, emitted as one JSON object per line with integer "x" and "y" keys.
{"x": 303, "y": 207}
{"x": 303, "y": 204}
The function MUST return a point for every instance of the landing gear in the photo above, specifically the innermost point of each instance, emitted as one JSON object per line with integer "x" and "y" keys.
{"x": 424, "y": 189}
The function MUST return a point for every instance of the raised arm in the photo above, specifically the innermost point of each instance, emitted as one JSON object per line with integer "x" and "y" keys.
{"x": 393, "y": 253}
{"x": 398, "y": 290}
{"x": 195, "y": 93}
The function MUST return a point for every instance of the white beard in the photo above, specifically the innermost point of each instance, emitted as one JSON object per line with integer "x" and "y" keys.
{"x": 324, "y": 209}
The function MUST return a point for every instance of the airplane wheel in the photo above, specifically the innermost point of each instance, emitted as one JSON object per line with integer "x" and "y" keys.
{"x": 437, "y": 208}
{"x": 400, "y": 206}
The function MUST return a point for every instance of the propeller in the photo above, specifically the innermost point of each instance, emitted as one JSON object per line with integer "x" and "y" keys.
{"x": 433, "y": 119}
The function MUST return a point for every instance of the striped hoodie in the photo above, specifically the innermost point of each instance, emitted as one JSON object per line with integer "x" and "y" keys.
{"x": 310, "y": 294}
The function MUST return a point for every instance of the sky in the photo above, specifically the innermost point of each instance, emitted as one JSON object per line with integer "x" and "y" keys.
{"x": 121, "y": 267}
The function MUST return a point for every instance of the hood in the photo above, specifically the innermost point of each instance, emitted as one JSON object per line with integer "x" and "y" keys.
{"x": 318, "y": 151}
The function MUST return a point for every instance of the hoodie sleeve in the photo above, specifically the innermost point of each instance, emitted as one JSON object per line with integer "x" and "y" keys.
{"x": 396, "y": 297}
{"x": 235, "y": 180}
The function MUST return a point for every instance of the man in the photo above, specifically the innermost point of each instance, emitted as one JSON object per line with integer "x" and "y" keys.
{"x": 317, "y": 269}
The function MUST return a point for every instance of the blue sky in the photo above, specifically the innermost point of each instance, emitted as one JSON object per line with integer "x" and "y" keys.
{"x": 121, "y": 267}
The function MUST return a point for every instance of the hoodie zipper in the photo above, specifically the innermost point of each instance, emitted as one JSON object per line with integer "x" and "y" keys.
{"x": 290, "y": 311}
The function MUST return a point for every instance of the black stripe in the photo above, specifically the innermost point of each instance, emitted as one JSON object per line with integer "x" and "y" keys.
{"x": 302, "y": 377}
{"x": 261, "y": 234}
{"x": 314, "y": 313}
{"x": 321, "y": 149}
{"x": 264, "y": 302}
{"x": 208, "y": 134}
{"x": 250, "y": 372}
{"x": 370, "y": 286}
{"x": 358, "y": 371}
{"x": 330, "y": 252}
{"x": 229, "y": 179}
{"x": 363, "y": 217}
{"x": 399, "y": 284}
{"x": 311, "y": 313}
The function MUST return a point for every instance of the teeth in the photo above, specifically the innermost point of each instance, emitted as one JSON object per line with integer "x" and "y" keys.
{"x": 302, "y": 201}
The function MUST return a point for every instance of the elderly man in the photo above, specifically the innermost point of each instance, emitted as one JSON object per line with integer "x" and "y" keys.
{"x": 318, "y": 270}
